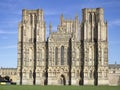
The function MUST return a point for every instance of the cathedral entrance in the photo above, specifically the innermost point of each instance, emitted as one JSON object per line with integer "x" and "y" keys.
{"x": 62, "y": 80}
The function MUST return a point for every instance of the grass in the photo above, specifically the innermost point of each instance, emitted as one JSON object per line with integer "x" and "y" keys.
{"x": 26, "y": 87}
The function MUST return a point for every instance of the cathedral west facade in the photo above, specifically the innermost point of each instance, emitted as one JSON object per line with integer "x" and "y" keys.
{"x": 76, "y": 54}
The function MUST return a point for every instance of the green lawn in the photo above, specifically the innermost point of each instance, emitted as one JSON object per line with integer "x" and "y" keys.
{"x": 17, "y": 87}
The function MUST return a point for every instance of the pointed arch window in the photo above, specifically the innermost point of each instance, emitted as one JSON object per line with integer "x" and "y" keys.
{"x": 62, "y": 55}
{"x": 56, "y": 56}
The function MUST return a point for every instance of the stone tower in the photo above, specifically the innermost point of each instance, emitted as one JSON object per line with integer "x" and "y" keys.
{"x": 95, "y": 47}
{"x": 31, "y": 48}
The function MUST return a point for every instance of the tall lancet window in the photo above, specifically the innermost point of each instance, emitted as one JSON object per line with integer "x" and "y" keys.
{"x": 31, "y": 18}
{"x": 90, "y": 17}
{"x": 35, "y": 18}
{"x": 62, "y": 55}
{"x": 94, "y": 17}
{"x": 56, "y": 56}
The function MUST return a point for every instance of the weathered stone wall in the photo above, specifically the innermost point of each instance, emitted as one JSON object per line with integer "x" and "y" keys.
{"x": 114, "y": 74}
{"x": 11, "y": 72}
{"x": 114, "y": 79}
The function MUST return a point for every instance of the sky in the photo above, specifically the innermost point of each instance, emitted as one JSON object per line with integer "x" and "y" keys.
{"x": 11, "y": 15}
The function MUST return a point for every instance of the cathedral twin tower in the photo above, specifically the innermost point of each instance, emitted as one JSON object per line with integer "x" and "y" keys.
{"x": 76, "y": 54}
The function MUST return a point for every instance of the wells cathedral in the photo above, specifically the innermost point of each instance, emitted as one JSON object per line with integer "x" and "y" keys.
{"x": 76, "y": 54}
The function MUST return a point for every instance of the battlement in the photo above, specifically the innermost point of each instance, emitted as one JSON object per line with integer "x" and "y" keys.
{"x": 93, "y": 9}
{"x": 26, "y": 11}
{"x": 93, "y": 14}
{"x": 32, "y": 14}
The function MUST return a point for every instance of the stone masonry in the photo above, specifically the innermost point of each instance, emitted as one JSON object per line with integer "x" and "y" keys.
{"x": 76, "y": 54}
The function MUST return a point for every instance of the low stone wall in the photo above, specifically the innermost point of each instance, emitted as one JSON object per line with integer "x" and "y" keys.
{"x": 114, "y": 79}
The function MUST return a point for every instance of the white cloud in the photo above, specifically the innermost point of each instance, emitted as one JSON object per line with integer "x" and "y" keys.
{"x": 9, "y": 23}
{"x": 114, "y": 43}
{"x": 7, "y": 32}
{"x": 9, "y": 47}
{"x": 114, "y": 22}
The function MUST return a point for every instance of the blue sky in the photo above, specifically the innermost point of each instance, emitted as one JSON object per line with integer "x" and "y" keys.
{"x": 11, "y": 14}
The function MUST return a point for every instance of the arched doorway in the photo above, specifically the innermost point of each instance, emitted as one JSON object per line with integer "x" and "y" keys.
{"x": 62, "y": 80}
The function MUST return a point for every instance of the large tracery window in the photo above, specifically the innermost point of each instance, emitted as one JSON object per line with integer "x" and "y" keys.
{"x": 56, "y": 56}
{"x": 62, "y": 55}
